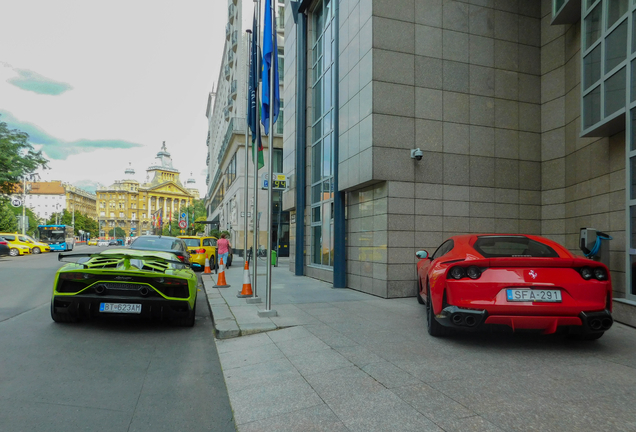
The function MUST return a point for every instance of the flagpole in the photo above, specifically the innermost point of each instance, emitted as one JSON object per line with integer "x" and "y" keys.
{"x": 247, "y": 134}
{"x": 268, "y": 312}
{"x": 256, "y": 298}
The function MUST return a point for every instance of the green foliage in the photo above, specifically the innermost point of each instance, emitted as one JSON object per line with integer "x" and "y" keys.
{"x": 117, "y": 232}
{"x": 33, "y": 220}
{"x": 17, "y": 158}
{"x": 8, "y": 222}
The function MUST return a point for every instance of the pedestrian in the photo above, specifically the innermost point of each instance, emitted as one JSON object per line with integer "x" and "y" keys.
{"x": 223, "y": 246}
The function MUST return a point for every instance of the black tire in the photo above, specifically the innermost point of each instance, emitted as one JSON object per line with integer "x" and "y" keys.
{"x": 189, "y": 320}
{"x": 61, "y": 317}
{"x": 36, "y": 250}
{"x": 14, "y": 252}
{"x": 434, "y": 328}
{"x": 418, "y": 284}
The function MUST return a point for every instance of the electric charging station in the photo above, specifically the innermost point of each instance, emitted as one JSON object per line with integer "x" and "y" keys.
{"x": 595, "y": 244}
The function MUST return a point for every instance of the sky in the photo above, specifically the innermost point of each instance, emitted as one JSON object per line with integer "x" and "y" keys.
{"x": 99, "y": 86}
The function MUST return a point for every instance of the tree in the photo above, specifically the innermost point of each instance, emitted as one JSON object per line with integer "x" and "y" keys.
{"x": 8, "y": 222}
{"x": 117, "y": 233}
{"x": 17, "y": 158}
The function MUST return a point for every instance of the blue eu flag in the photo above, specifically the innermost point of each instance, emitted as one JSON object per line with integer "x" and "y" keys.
{"x": 270, "y": 68}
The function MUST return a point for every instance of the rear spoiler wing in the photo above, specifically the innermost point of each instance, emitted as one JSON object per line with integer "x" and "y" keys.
{"x": 61, "y": 256}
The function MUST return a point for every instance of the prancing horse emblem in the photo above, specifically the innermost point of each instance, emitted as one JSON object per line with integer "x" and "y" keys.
{"x": 533, "y": 274}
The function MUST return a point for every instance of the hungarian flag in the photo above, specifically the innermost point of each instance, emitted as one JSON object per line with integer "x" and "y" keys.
{"x": 270, "y": 69}
{"x": 252, "y": 112}
{"x": 169, "y": 223}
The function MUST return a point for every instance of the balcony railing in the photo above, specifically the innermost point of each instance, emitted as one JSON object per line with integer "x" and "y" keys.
{"x": 234, "y": 40}
{"x": 227, "y": 71}
{"x": 236, "y": 125}
{"x": 228, "y": 31}
{"x": 231, "y": 10}
{"x": 230, "y": 58}
{"x": 233, "y": 89}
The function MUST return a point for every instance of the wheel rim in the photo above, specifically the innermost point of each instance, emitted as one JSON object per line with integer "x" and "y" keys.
{"x": 36, "y": 250}
{"x": 13, "y": 252}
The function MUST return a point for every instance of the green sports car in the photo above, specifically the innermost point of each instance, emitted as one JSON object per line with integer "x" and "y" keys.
{"x": 150, "y": 284}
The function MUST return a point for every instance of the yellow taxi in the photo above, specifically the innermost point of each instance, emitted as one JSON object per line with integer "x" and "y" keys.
{"x": 36, "y": 246}
{"x": 92, "y": 242}
{"x": 199, "y": 248}
{"x": 15, "y": 246}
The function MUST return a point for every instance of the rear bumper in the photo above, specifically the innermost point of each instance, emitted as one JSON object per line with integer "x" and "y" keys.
{"x": 88, "y": 306}
{"x": 468, "y": 319}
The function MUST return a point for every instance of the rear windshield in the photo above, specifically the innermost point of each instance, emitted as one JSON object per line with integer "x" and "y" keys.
{"x": 192, "y": 242}
{"x": 155, "y": 243}
{"x": 518, "y": 246}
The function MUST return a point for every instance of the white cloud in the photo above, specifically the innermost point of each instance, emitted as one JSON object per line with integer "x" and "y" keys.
{"x": 140, "y": 72}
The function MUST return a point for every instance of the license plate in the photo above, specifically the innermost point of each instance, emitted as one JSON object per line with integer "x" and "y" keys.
{"x": 133, "y": 308}
{"x": 538, "y": 296}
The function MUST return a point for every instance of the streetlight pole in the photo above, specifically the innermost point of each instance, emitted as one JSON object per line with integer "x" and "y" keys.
{"x": 23, "y": 204}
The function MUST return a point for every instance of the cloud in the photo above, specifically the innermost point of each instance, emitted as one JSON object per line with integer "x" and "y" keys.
{"x": 32, "y": 81}
{"x": 57, "y": 149}
{"x": 87, "y": 185}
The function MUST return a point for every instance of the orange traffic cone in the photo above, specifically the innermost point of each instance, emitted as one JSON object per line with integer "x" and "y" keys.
{"x": 247, "y": 284}
{"x": 207, "y": 270}
{"x": 220, "y": 281}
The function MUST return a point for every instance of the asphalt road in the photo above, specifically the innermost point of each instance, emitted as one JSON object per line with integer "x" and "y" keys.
{"x": 102, "y": 374}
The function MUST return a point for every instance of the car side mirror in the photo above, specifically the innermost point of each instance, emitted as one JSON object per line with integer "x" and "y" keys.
{"x": 421, "y": 254}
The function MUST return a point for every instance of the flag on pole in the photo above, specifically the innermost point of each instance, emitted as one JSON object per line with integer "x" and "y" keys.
{"x": 252, "y": 112}
{"x": 170, "y": 223}
{"x": 270, "y": 68}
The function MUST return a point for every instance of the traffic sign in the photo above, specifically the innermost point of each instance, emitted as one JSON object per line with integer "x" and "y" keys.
{"x": 16, "y": 202}
{"x": 183, "y": 215}
{"x": 182, "y": 224}
{"x": 279, "y": 182}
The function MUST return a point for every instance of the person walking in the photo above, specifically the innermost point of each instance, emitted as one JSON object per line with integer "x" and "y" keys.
{"x": 223, "y": 246}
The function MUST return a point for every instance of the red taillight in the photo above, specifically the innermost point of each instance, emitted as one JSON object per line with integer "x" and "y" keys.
{"x": 181, "y": 258}
{"x": 3, "y": 243}
{"x": 200, "y": 251}
{"x": 74, "y": 276}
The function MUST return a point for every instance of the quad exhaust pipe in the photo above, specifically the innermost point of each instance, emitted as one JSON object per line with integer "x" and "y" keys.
{"x": 452, "y": 316}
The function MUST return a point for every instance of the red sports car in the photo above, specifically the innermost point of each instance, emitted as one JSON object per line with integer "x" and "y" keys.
{"x": 519, "y": 281}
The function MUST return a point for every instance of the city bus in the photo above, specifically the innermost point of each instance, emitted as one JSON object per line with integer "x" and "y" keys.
{"x": 59, "y": 237}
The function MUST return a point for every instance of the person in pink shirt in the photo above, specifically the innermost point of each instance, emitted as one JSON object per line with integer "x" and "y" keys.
{"x": 223, "y": 248}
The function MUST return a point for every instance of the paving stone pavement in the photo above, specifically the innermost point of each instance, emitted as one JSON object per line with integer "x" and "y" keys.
{"x": 340, "y": 360}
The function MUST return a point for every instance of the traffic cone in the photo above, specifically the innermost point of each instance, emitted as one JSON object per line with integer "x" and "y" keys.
{"x": 220, "y": 281}
{"x": 207, "y": 270}
{"x": 247, "y": 284}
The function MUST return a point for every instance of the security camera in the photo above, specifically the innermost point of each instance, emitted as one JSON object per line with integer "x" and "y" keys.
{"x": 417, "y": 154}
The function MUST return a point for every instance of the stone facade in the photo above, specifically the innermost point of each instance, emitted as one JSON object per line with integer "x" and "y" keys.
{"x": 490, "y": 91}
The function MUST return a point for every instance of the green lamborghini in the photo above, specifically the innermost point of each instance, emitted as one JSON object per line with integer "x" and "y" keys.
{"x": 151, "y": 284}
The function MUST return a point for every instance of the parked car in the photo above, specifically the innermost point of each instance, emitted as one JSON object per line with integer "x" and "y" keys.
{"x": 16, "y": 248}
{"x": 517, "y": 281}
{"x": 169, "y": 244}
{"x": 19, "y": 239}
{"x": 102, "y": 242}
{"x": 4, "y": 247}
{"x": 199, "y": 248}
{"x": 92, "y": 242}
{"x": 112, "y": 242}
{"x": 36, "y": 246}
{"x": 151, "y": 284}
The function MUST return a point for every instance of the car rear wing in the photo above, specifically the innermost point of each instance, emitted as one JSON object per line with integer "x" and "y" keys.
{"x": 144, "y": 257}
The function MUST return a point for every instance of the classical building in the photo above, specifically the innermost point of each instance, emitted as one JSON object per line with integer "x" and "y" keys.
{"x": 48, "y": 198}
{"x": 137, "y": 207}
{"x": 524, "y": 112}
{"x": 79, "y": 200}
{"x": 226, "y": 113}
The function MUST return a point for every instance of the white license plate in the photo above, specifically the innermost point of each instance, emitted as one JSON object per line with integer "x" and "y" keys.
{"x": 133, "y": 308}
{"x": 534, "y": 295}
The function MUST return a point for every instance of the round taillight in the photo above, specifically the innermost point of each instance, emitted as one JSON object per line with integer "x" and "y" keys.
{"x": 457, "y": 272}
{"x": 600, "y": 273}
{"x": 586, "y": 273}
{"x": 473, "y": 272}
{"x": 200, "y": 251}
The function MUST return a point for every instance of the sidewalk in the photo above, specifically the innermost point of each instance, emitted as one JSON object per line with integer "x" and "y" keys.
{"x": 340, "y": 360}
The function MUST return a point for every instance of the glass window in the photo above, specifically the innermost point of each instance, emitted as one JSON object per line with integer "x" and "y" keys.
{"x": 592, "y": 107}
{"x": 633, "y": 143}
{"x": 633, "y": 32}
{"x": 511, "y": 246}
{"x": 615, "y": 92}
{"x": 593, "y": 26}
{"x": 592, "y": 67}
{"x": 632, "y": 169}
{"x": 316, "y": 234}
{"x": 616, "y": 47}
{"x": 615, "y": 10}
{"x": 632, "y": 218}
{"x": 558, "y": 4}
